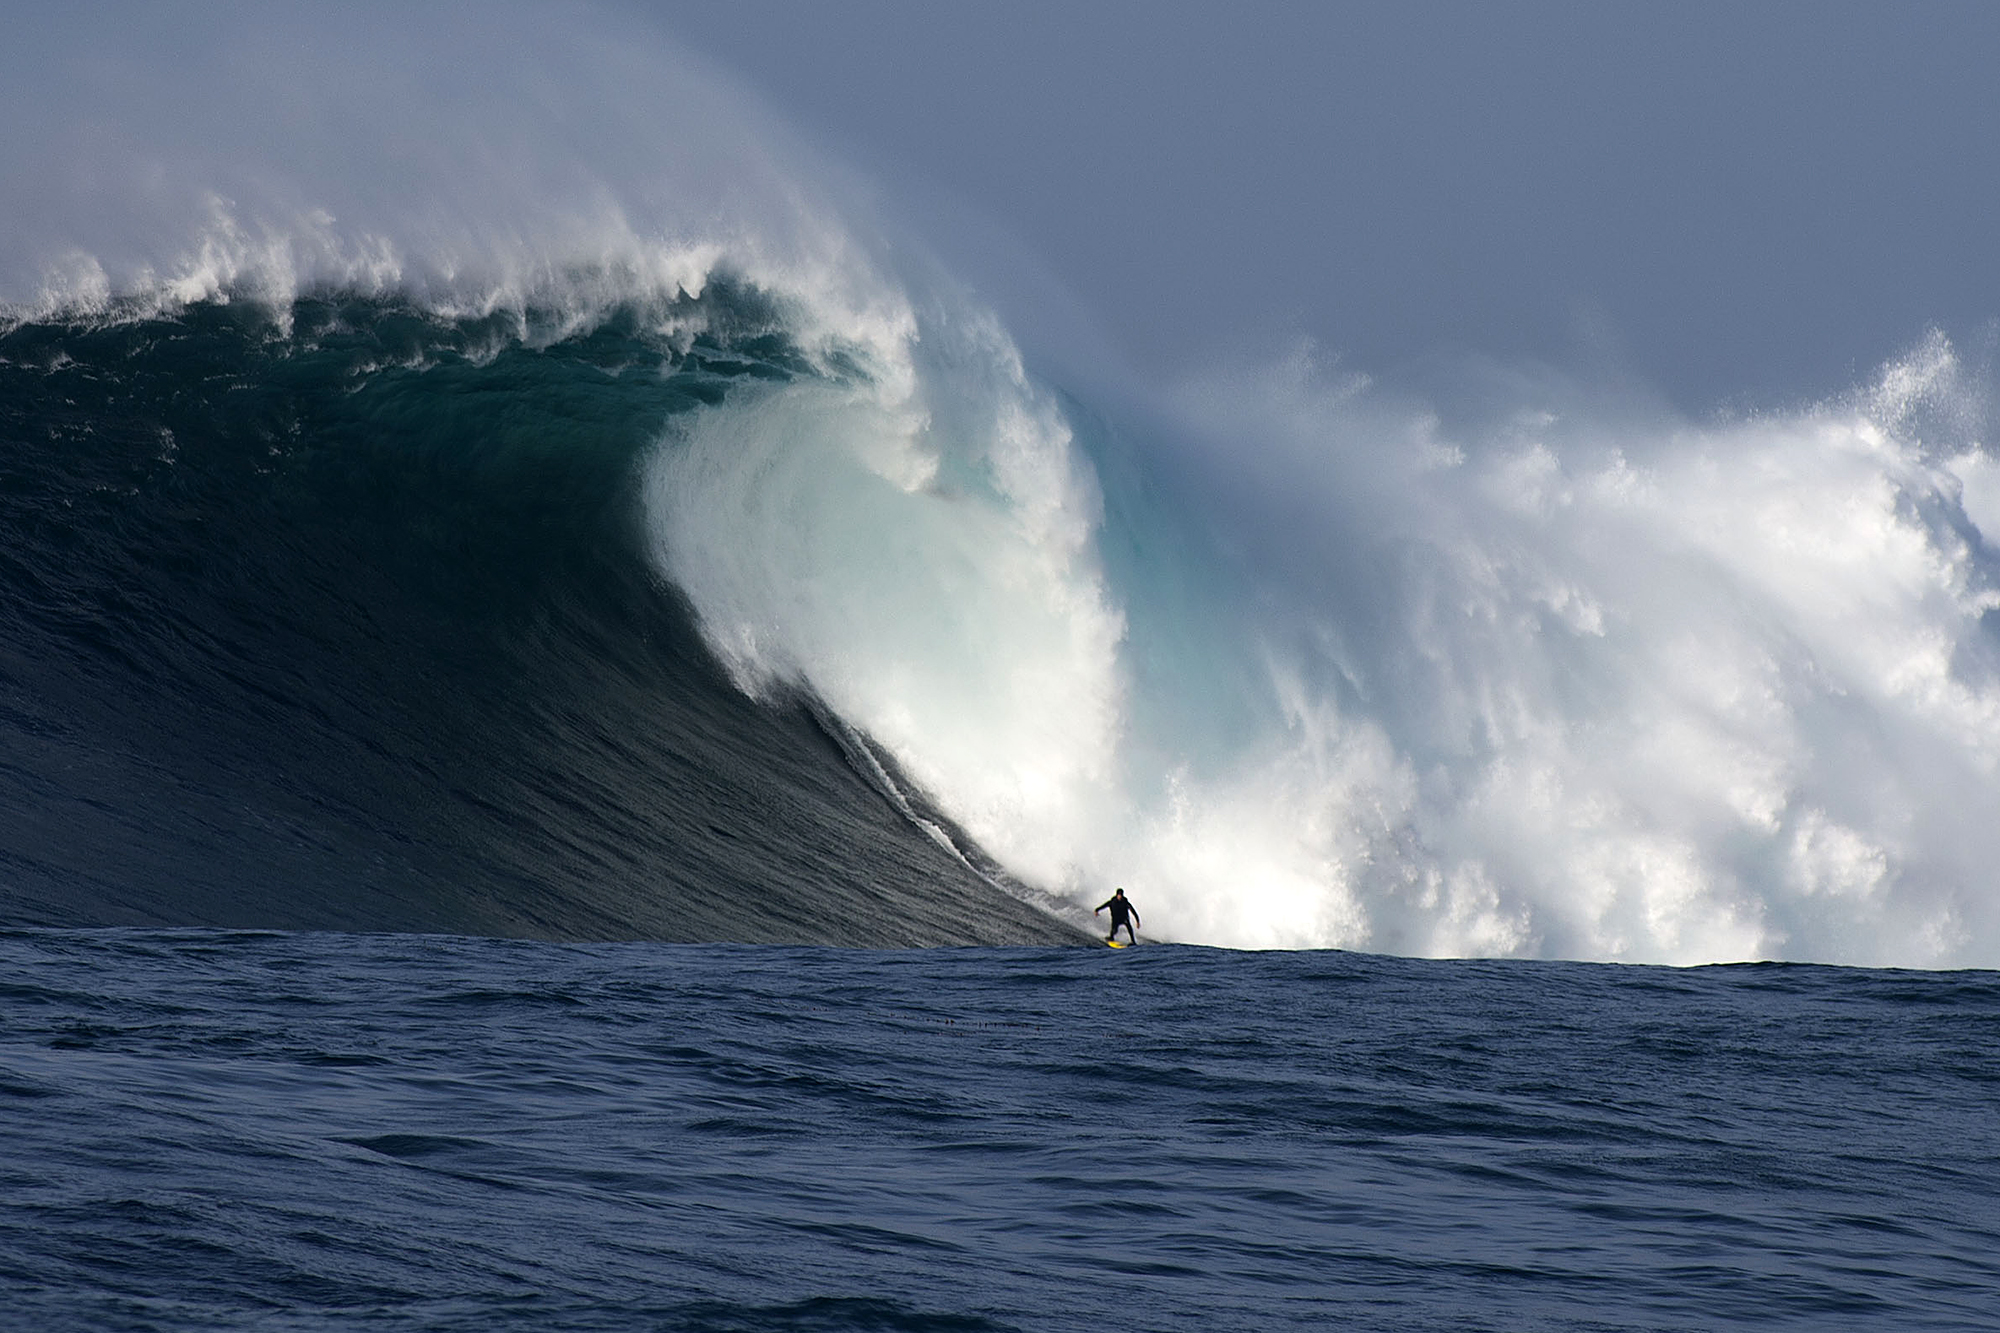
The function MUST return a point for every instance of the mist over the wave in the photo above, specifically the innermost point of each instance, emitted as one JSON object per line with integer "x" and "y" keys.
{"x": 1526, "y": 666}
{"x": 1588, "y": 680}
{"x": 476, "y": 157}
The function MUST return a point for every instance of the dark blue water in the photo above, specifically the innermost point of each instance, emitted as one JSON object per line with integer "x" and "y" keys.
{"x": 206, "y": 1130}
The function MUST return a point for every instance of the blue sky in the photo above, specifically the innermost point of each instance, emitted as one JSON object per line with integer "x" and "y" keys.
{"x": 1734, "y": 203}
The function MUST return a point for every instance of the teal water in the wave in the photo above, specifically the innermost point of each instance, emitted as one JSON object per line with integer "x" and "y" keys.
{"x": 339, "y": 615}
{"x": 205, "y": 1130}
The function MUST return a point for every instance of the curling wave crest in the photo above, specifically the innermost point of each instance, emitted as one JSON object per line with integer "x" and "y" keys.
{"x": 1312, "y": 669}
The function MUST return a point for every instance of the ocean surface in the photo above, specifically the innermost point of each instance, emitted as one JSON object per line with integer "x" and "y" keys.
{"x": 210, "y": 1130}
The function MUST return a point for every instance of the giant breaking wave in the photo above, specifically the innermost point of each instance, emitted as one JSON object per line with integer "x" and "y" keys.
{"x": 1520, "y": 668}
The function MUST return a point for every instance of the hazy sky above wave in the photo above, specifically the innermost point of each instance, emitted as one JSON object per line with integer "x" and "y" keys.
{"x": 1732, "y": 202}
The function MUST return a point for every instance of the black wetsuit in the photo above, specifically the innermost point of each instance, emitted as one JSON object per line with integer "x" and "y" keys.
{"x": 1121, "y": 915}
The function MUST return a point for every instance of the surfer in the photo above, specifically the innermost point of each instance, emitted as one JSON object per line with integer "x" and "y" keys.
{"x": 1122, "y": 914}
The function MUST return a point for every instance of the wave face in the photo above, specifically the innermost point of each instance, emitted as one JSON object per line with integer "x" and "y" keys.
{"x": 519, "y": 525}
{"x": 349, "y": 624}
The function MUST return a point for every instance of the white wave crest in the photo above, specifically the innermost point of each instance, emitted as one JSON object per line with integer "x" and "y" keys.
{"x": 1571, "y": 684}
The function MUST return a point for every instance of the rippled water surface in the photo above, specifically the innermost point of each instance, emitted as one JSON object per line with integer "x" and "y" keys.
{"x": 208, "y": 1130}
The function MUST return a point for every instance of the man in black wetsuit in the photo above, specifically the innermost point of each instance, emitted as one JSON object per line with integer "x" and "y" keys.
{"x": 1122, "y": 914}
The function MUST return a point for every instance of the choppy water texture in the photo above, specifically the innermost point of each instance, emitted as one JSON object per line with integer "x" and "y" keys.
{"x": 211, "y": 1130}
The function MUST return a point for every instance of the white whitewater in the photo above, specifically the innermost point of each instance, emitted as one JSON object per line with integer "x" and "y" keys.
{"x": 1573, "y": 685}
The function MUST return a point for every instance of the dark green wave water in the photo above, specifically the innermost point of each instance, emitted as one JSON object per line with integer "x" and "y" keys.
{"x": 339, "y": 617}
